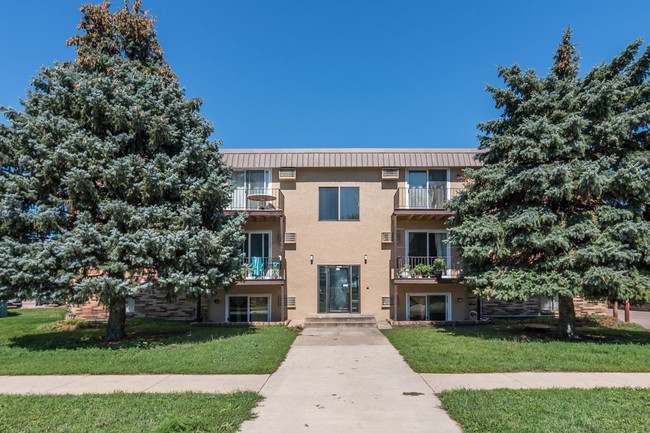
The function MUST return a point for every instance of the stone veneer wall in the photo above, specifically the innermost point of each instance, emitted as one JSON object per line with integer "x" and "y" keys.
{"x": 150, "y": 304}
{"x": 532, "y": 307}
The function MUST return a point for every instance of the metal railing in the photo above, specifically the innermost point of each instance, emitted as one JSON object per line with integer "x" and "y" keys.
{"x": 406, "y": 266}
{"x": 432, "y": 198}
{"x": 256, "y": 199}
{"x": 262, "y": 268}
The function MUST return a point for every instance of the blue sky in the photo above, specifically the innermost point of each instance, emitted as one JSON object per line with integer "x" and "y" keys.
{"x": 329, "y": 73}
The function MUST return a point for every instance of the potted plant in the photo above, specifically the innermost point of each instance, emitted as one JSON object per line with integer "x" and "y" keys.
{"x": 405, "y": 272}
{"x": 422, "y": 270}
{"x": 439, "y": 266}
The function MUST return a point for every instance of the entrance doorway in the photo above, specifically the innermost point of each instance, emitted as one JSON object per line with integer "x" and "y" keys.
{"x": 338, "y": 289}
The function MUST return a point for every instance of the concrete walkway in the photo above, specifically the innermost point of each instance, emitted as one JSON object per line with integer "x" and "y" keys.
{"x": 347, "y": 379}
{"x": 151, "y": 383}
{"x": 522, "y": 380}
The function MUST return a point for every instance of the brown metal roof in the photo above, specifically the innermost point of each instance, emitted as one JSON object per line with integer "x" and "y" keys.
{"x": 277, "y": 158}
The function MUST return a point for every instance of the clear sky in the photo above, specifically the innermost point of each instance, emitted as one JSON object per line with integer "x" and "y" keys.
{"x": 335, "y": 73}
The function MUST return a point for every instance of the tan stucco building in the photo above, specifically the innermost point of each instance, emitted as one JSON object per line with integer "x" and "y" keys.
{"x": 329, "y": 230}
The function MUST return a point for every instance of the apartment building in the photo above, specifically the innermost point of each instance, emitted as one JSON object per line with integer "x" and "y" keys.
{"x": 343, "y": 231}
{"x": 332, "y": 231}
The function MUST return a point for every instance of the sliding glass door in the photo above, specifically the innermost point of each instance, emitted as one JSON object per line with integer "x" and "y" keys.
{"x": 425, "y": 246}
{"x": 247, "y": 183}
{"x": 427, "y": 189}
{"x": 430, "y": 307}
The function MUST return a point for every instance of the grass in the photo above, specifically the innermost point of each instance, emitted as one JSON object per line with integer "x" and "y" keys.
{"x": 122, "y": 413}
{"x": 36, "y": 342}
{"x": 550, "y": 410}
{"x": 509, "y": 346}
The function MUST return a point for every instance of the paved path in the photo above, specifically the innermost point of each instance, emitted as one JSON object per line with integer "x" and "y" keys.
{"x": 445, "y": 382}
{"x": 347, "y": 380}
{"x": 105, "y": 384}
{"x": 640, "y": 317}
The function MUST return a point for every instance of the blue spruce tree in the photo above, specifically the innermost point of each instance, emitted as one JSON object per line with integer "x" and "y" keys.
{"x": 109, "y": 184}
{"x": 560, "y": 206}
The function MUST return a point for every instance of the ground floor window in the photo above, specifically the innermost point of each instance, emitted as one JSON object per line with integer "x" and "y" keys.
{"x": 248, "y": 308}
{"x": 428, "y": 306}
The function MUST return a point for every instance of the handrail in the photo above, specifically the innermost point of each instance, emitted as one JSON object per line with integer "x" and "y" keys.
{"x": 243, "y": 198}
{"x": 432, "y": 198}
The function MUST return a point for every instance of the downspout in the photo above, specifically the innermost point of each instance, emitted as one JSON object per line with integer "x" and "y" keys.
{"x": 394, "y": 221}
{"x": 284, "y": 271}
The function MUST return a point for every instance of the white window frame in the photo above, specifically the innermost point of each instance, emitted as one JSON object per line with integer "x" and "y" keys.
{"x": 447, "y": 301}
{"x": 448, "y": 181}
{"x": 267, "y": 186}
{"x": 448, "y": 247}
{"x": 267, "y": 174}
{"x": 248, "y": 304}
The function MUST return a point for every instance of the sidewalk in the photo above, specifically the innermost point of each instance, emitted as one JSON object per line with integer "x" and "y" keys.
{"x": 347, "y": 379}
{"x": 150, "y": 383}
{"x": 523, "y": 380}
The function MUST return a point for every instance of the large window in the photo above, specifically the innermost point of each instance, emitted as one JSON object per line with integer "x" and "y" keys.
{"x": 338, "y": 203}
{"x": 249, "y": 308}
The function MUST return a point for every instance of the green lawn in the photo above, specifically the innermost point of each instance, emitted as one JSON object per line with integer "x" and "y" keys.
{"x": 550, "y": 410}
{"x": 510, "y": 347}
{"x": 29, "y": 346}
{"x": 122, "y": 413}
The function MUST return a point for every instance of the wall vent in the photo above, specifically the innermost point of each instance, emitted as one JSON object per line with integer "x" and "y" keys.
{"x": 389, "y": 173}
{"x": 386, "y": 301}
{"x": 290, "y": 302}
{"x": 287, "y": 174}
{"x": 289, "y": 238}
{"x": 387, "y": 237}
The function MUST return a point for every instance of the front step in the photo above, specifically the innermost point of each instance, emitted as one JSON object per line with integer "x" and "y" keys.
{"x": 340, "y": 320}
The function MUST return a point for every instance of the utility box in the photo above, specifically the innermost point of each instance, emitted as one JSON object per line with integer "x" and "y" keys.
{"x": 3, "y": 309}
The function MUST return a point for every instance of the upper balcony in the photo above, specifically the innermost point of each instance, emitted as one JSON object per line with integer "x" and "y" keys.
{"x": 258, "y": 203}
{"x": 424, "y": 201}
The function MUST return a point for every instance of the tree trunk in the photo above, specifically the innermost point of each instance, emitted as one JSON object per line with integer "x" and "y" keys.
{"x": 615, "y": 309}
{"x": 627, "y": 310}
{"x": 567, "y": 325}
{"x": 116, "y": 320}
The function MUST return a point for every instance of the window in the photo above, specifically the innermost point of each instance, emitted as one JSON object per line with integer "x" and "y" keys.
{"x": 429, "y": 306}
{"x": 248, "y": 308}
{"x": 338, "y": 203}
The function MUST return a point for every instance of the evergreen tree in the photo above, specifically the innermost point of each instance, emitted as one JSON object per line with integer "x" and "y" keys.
{"x": 109, "y": 184}
{"x": 560, "y": 204}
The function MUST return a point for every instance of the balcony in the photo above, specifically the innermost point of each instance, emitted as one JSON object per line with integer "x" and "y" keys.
{"x": 259, "y": 203}
{"x": 405, "y": 271}
{"x": 430, "y": 198}
{"x": 263, "y": 270}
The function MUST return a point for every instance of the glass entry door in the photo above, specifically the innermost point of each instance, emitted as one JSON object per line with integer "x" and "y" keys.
{"x": 338, "y": 290}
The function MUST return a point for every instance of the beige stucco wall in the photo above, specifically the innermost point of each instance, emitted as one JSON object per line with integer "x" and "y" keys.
{"x": 338, "y": 242}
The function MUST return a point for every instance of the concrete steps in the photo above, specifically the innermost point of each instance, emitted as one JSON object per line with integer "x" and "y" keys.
{"x": 334, "y": 320}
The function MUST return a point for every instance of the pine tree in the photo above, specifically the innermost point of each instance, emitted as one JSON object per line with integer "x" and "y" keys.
{"x": 109, "y": 184}
{"x": 539, "y": 217}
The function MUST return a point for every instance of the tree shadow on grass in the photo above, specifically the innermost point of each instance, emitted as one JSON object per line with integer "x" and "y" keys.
{"x": 145, "y": 338}
{"x": 516, "y": 330}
